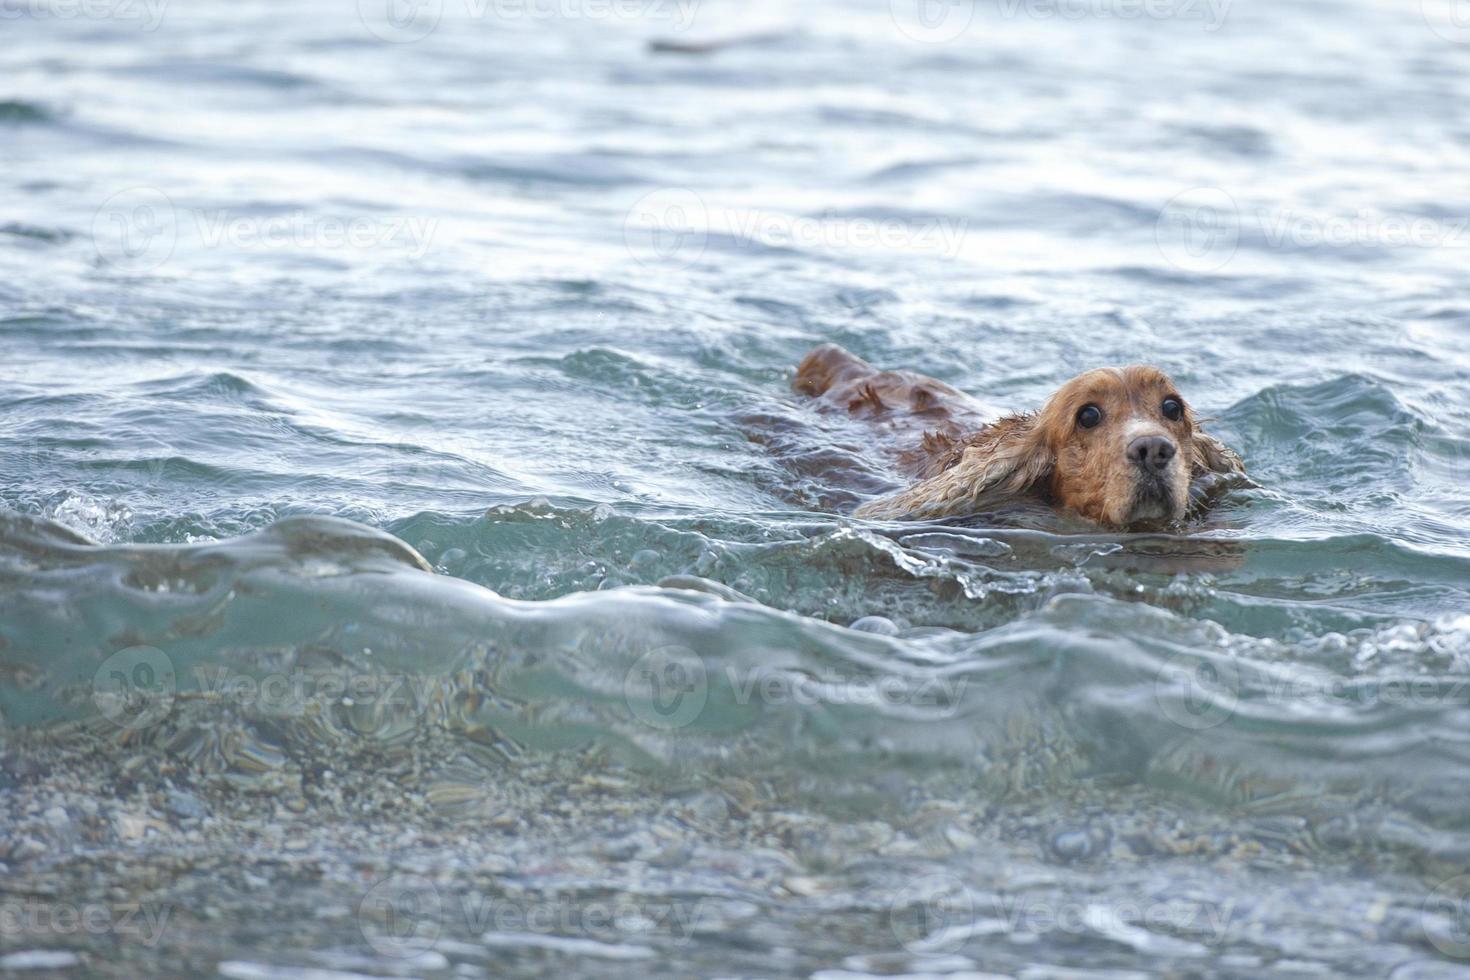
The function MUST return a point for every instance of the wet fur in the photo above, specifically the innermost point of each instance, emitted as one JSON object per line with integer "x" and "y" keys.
{"x": 963, "y": 464}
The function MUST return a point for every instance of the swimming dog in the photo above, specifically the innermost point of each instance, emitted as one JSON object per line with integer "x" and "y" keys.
{"x": 1118, "y": 446}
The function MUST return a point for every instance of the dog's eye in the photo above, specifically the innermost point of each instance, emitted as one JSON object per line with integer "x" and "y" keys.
{"x": 1089, "y": 416}
{"x": 1173, "y": 409}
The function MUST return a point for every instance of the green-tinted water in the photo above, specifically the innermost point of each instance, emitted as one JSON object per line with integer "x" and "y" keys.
{"x": 473, "y": 597}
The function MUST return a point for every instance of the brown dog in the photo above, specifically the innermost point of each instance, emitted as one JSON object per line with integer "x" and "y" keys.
{"x": 1118, "y": 446}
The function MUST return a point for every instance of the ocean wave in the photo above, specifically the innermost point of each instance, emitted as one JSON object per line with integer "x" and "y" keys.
{"x": 257, "y": 629}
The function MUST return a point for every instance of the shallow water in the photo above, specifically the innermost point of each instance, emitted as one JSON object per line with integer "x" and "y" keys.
{"x": 300, "y": 303}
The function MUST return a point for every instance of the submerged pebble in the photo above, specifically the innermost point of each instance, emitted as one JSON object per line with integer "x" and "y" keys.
{"x": 881, "y": 625}
{"x": 1078, "y": 843}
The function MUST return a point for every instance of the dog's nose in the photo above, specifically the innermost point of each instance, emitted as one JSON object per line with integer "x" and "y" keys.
{"x": 1152, "y": 452}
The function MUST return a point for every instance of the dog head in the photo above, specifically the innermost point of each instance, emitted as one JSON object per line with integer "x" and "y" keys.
{"x": 1121, "y": 446}
{"x": 1118, "y": 446}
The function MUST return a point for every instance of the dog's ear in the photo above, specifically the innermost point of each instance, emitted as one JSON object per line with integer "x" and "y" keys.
{"x": 1006, "y": 460}
{"x": 1214, "y": 469}
{"x": 1213, "y": 456}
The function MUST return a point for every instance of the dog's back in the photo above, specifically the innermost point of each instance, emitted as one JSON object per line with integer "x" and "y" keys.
{"x": 923, "y": 423}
